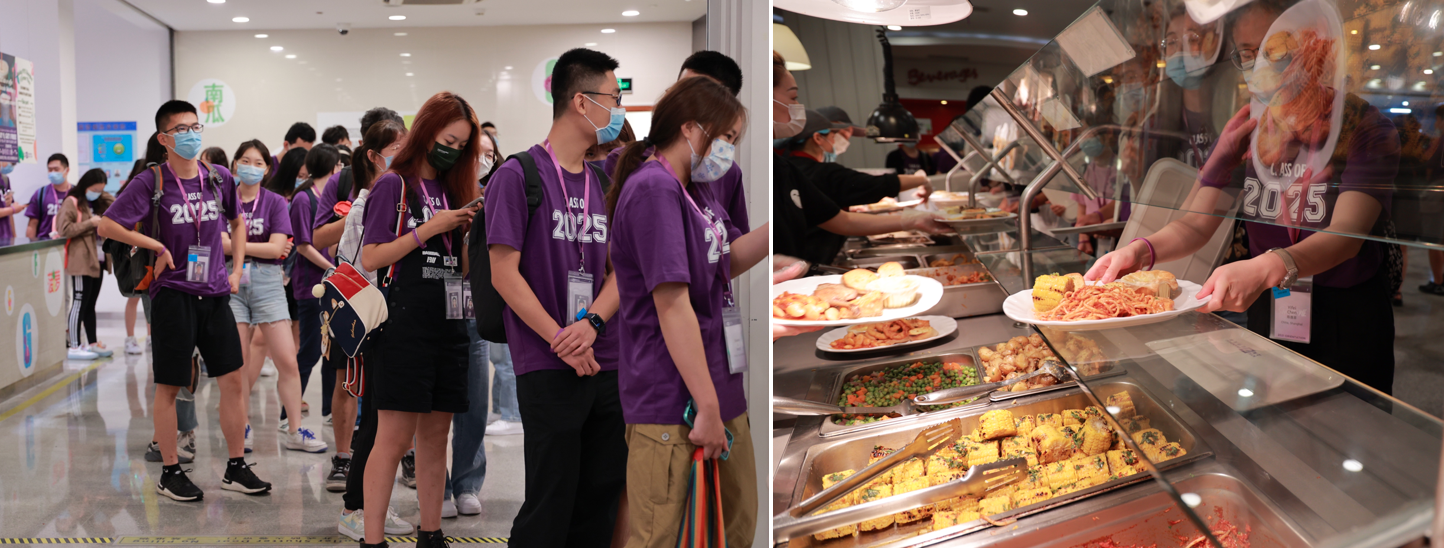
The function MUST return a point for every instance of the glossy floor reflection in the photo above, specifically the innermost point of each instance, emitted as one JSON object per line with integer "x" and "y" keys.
{"x": 75, "y": 464}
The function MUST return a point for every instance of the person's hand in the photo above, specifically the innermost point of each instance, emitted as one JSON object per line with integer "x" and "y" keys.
{"x": 448, "y": 220}
{"x": 1085, "y": 244}
{"x": 1058, "y": 210}
{"x": 1121, "y": 261}
{"x": 924, "y": 191}
{"x": 163, "y": 260}
{"x": 574, "y": 339}
{"x": 919, "y": 220}
{"x": 235, "y": 279}
{"x": 920, "y": 173}
{"x": 1235, "y": 286}
{"x": 286, "y": 247}
{"x": 709, "y": 434}
{"x": 1009, "y": 205}
{"x": 1231, "y": 146}
{"x": 789, "y": 268}
{"x": 584, "y": 363}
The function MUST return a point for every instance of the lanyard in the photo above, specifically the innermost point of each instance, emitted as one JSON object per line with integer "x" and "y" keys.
{"x": 586, "y": 198}
{"x": 55, "y": 197}
{"x": 193, "y": 210}
{"x": 724, "y": 269}
{"x": 446, "y": 237}
{"x": 254, "y": 204}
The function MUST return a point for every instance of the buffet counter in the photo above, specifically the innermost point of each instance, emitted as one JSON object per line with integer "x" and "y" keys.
{"x": 32, "y": 330}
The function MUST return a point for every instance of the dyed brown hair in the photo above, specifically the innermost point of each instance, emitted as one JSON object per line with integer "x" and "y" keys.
{"x": 440, "y": 111}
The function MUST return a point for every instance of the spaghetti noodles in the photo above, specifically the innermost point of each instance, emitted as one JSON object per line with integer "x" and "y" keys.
{"x": 1100, "y": 302}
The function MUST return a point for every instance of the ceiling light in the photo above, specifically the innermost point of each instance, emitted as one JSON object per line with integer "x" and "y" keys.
{"x": 399, "y": 34}
{"x": 1353, "y": 32}
{"x": 263, "y": 36}
{"x": 1353, "y": 465}
{"x": 1374, "y": 47}
{"x": 631, "y": 13}
{"x": 1020, "y": 12}
{"x": 240, "y": 19}
{"x": 1438, "y": 53}
{"x": 1406, "y": 103}
{"x": 1373, "y": 67}
{"x": 1245, "y": 393}
{"x": 1428, "y": 71}
{"x": 409, "y": 74}
{"x": 291, "y": 56}
{"x": 882, "y": 12}
{"x": 1400, "y": 111}
{"x": 608, "y": 31}
{"x": 945, "y": 102}
{"x": 406, "y": 55}
{"x": 277, "y": 48}
{"x": 508, "y": 67}
{"x": 894, "y": 27}
{"x": 785, "y": 43}
{"x": 590, "y": 44}
{"x": 397, "y": 18}
{"x": 216, "y": 1}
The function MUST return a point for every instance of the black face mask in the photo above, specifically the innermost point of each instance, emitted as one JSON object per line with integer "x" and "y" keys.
{"x": 442, "y": 157}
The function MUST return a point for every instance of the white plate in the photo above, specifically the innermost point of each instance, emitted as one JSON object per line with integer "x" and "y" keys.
{"x": 945, "y": 326}
{"x": 930, "y": 292}
{"x": 1019, "y": 306}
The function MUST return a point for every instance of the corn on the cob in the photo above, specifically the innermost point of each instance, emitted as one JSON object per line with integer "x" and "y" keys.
{"x": 1036, "y": 478}
{"x": 1061, "y": 474}
{"x": 1124, "y": 403}
{"x": 944, "y": 520}
{"x": 844, "y": 531}
{"x": 1025, "y": 425}
{"x": 1136, "y": 424}
{"x": 871, "y": 494}
{"x": 1091, "y": 470}
{"x": 1074, "y": 416}
{"x": 1150, "y": 437}
{"x": 996, "y": 424}
{"x": 968, "y": 516}
{"x": 1074, "y": 433}
{"x": 1097, "y": 437}
{"x": 1019, "y": 446}
{"x": 1024, "y": 497}
{"x": 1123, "y": 463}
{"x": 992, "y": 506}
{"x": 1051, "y": 444}
{"x": 915, "y": 514}
{"x": 945, "y": 466}
{"x": 1170, "y": 450}
{"x": 1049, "y": 290}
{"x": 1093, "y": 412}
{"x": 983, "y": 453}
{"x": 958, "y": 504}
{"x": 1052, "y": 419}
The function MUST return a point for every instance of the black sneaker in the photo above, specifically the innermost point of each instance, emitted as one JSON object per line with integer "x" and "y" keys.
{"x": 336, "y": 480}
{"x": 408, "y": 470}
{"x": 152, "y": 454}
{"x": 431, "y": 539}
{"x": 175, "y": 484}
{"x": 241, "y": 479}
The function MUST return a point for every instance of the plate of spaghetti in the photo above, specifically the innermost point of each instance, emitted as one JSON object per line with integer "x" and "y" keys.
{"x": 1068, "y": 303}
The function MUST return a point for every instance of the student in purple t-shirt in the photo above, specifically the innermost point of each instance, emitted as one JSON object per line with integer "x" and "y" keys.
{"x": 8, "y": 208}
{"x": 260, "y": 303}
{"x": 191, "y": 291}
{"x": 549, "y": 266}
{"x": 45, "y": 203}
{"x": 311, "y": 263}
{"x": 681, "y": 326}
{"x": 1302, "y": 223}
{"x": 418, "y": 358}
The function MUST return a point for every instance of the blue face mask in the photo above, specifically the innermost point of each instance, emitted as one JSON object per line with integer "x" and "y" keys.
{"x": 388, "y": 160}
{"x": 91, "y": 196}
{"x": 715, "y": 165}
{"x": 609, "y": 132}
{"x": 188, "y": 145}
{"x": 1178, "y": 71}
{"x": 1092, "y": 147}
{"x": 829, "y": 157}
{"x": 57, "y": 178}
{"x": 300, "y": 181}
{"x": 6, "y": 169}
{"x": 250, "y": 175}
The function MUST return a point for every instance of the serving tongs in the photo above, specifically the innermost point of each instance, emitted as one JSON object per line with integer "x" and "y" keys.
{"x": 979, "y": 481}
{"x": 946, "y": 396}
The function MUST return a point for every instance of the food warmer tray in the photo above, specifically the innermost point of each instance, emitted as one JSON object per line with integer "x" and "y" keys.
{"x": 959, "y": 301}
{"x": 941, "y": 244}
{"x": 853, "y": 452}
{"x": 832, "y": 429}
{"x": 1091, "y": 371}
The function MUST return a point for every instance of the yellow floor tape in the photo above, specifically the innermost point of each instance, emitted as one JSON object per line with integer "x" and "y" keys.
{"x": 272, "y": 540}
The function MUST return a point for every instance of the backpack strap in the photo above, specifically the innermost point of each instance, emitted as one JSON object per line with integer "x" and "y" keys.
{"x": 155, "y": 201}
{"x": 343, "y": 189}
{"x": 533, "y": 181}
{"x": 214, "y": 178}
{"x": 602, "y": 178}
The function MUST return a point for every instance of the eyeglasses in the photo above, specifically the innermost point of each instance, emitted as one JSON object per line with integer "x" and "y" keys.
{"x": 1243, "y": 58}
{"x": 184, "y": 129}
{"x": 617, "y": 98}
{"x": 1174, "y": 41}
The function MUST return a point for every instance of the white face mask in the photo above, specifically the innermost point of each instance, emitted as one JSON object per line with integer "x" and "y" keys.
{"x": 486, "y": 163}
{"x": 840, "y": 143}
{"x": 797, "y": 114}
{"x": 715, "y": 164}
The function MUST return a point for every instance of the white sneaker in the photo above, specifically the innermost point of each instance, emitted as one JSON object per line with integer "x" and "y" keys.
{"x": 468, "y": 505}
{"x": 186, "y": 444}
{"x": 133, "y": 347}
{"x": 448, "y": 508}
{"x": 395, "y": 525}
{"x": 268, "y": 369}
{"x": 250, "y": 441}
{"x": 353, "y": 525}
{"x": 99, "y": 350}
{"x": 305, "y": 440}
{"x": 503, "y": 428}
{"x": 285, "y": 425}
{"x": 328, "y": 420}
{"x": 80, "y": 354}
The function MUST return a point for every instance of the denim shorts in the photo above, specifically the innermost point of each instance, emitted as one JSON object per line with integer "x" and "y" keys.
{"x": 264, "y": 299}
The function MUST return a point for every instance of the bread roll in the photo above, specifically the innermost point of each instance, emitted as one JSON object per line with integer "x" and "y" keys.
{"x": 858, "y": 278}
{"x": 1159, "y": 283}
{"x": 890, "y": 270}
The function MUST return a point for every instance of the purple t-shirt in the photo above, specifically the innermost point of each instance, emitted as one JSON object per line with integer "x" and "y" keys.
{"x": 45, "y": 205}
{"x": 1372, "y": 162}
{"x": 326, "y": 201}
{"x": 307, "y": 274}
{"x": 550, "y": 244}
{"x": 178, "y": 224}
{"x": 264, "y": 216}
{"x": 727, "y": 191}
{"x": 380, "y": 222}
{"x": 7, "y": 228}
{"x": 659, "y": 238}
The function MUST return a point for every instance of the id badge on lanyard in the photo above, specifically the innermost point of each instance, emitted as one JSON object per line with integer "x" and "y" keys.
{"x": 579, "y": 294}
{"x": 198, "y": 264}
{"x": 1293, "y": 312}
{"x": 455, "y": 294}
{"x": 732, "y": 331}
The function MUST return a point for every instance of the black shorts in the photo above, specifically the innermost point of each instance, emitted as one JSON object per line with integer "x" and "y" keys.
{"x": 185, "y": 322}
{"x": 291, "y": 304}
{"x": 419, "y": 367}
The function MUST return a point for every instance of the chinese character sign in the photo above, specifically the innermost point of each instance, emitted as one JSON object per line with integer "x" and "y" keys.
{"x": 17, "y": 110}
{"x": 214, "y": 100}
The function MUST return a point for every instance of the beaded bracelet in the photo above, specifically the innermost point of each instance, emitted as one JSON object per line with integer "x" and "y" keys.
{"x": 1151, "y": 255}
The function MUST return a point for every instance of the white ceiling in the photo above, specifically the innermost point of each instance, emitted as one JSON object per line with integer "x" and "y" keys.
{"x": 192, "y": 15}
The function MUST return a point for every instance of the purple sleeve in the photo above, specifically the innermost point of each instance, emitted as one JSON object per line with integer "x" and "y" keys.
{"x": 506, "y": 210}
{"x": 610, "y": 164}
{"x": 133, "y": 204}
{"x": 380, "y": 217}
{"x": 326, "y": 202}
{"x": 1373, "y": 160}
{"x": 36, "y": 206}
{"x": 301, "y": 214}
{"x": 734, "y": 199}
{"x": 276, "y": 215}
{"x": 656, "y": 233}
{"x": 228, "y": 194}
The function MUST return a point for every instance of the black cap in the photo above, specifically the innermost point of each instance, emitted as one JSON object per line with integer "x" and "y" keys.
{"x": 836, "y": 114}
{"x": 817, "y": 122}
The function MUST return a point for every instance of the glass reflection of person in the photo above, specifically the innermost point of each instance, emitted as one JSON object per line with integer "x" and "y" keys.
{"x": 1352, "y": 323}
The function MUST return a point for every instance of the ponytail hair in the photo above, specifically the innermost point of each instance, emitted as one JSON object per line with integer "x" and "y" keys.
{"x": 699, "y": 100}
{"x": 379, "y": 135}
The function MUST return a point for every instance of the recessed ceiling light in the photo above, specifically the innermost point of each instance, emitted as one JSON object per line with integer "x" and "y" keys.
{"x": 1353, "y": 465}
{"x": 590, "y": 44}
{"x": 216, "y": 1}
{"x": 263, "y": 36}
{"x": 1374, "y": 46}
{"x": 608, "y": 31}
{"x": 409, "y": 74}
{"x": 1428, "y": 71}
{"x": 893, "y": 27}
{"x": 291, "y": 56}
{"x": 399, "y": 34}
{"x": 508, "y": 67}
{"x": 240, "y": 19}
{"x": 631, "y": 13}
{"x": 406, "y": 55}
{"x": 397, "y": 18}
{"x": 1020, "y": 12}
{"x": 1373, "y": 67}
{"x": 277, "y": 48}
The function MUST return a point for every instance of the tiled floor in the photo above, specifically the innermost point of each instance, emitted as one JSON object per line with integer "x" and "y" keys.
{"x": 75, "y": 466}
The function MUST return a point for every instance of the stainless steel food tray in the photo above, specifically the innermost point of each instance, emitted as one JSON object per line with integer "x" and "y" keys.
{"x": 853, "y": 453}
{"x": 1105, "y": 370}
{"x": 871, "y": 263}
{"x": 832, "y": 429}
{"x": 941, "y": 244}
{"x": 959, "y": 258}
{"x": 966, "y": 300}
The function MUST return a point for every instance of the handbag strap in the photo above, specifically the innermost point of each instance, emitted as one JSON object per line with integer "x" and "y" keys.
{"x": 401, "y": 215}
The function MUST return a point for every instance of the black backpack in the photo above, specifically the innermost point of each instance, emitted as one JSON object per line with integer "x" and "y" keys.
{"x": 343, "y": 191}
{"x": 487, "y": 303}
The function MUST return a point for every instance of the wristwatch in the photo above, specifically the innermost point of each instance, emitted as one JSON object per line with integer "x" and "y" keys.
{"x": 597, "y": 323}
{"x": 1292, "y": 274}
